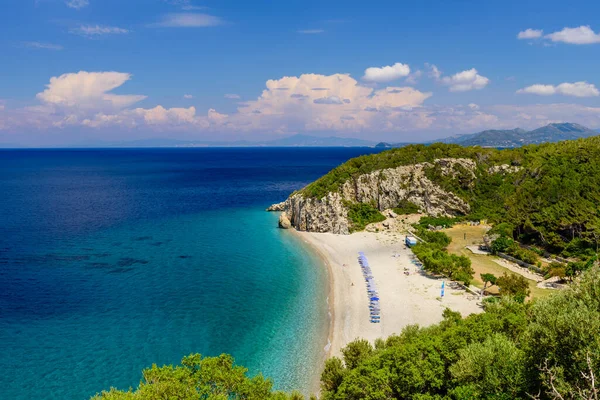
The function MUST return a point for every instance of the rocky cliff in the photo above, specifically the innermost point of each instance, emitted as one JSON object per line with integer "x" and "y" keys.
{"x": 385, "y": 189}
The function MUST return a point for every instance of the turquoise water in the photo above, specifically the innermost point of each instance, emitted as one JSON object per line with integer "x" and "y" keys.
{"x": 113, "y": 260}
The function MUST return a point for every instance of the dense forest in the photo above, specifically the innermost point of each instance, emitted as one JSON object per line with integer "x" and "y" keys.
{"x": 546, "y": 349}
{"x": 551, "y": 198}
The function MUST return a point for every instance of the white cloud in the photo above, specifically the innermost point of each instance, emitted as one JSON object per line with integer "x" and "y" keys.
{"x": 579, "y": 35}
{"x": 77, "y": 4}
{"x": 387, "y": 73}
{"x": 188, "y": 96}
{"x": 310, "y": 31}
{"x": 88, "y": 90}
{"x": 232, "y": 96}
{"x": 434, "y": 72}
{"x": 286, "y": 105}
{"x": 530, "y": 34}
{"x": 464, "y": 81}
{"x": 414, "y": 77}
{"x": 189, "y": 20}
{"x": 576, "y": 89}
{"x": 44, "y": 46}
{"x": 328, "y": 100}
{"x": 98, "y": 30}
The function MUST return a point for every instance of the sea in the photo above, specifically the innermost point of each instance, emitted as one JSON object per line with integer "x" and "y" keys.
{"x": 114, "y": 259}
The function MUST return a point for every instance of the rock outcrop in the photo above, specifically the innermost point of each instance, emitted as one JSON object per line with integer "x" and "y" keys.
{"x": 386, "y": 189}
{"x": 504, "y": 169}
{"x": 284, "y": 221}
{"x": 277, "y": 207}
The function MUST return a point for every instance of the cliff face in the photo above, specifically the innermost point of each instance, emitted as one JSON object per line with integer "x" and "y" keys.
{"x": 386, "y": 189}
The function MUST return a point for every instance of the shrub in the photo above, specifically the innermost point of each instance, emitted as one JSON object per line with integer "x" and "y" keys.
{"x": 406, "y": 207}
{"x": 362, "y": 214}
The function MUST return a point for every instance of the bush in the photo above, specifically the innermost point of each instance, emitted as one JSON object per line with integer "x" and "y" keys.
{"x": 513, "y": 285}
{"x": 447, "y": 222}
{"x": 406, "y": 207}
{"x": 501, "y": 244}
{"x": 503, "y": 229}
{"x": 362, "y": 214}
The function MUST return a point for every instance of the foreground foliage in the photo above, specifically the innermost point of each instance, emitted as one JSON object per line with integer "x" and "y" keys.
{"x": 549, "y": 349}
{"x": 215, "y": 378}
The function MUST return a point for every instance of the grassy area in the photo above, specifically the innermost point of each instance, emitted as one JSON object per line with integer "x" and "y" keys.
{"x": 482, "y": 264}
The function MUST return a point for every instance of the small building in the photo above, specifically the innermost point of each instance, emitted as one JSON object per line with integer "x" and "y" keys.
{"x": 410, "y": 241}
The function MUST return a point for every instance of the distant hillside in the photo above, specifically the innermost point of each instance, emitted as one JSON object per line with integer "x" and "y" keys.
{"x": 519, "y": 137}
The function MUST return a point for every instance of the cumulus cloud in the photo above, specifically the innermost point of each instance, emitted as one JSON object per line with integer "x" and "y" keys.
{"x": 232, "y": 96}
{"x": 189, "y": 20}
{"x": 77, "y": 4}
{"x": 576, "y": 89}
{"x": 465, "y": 81}
{"x": 386, "y": 73}
{"x": 188, "y": 96}
{"x": 97, "y": 30}
{"x": 43, "y": 46}
{"x": 344, "y": 106}
{"x": 328, "y": 100}
{"x": 88, "y": 90}
{"x": 530, "y": 34}
{"x": 579, "y": 35}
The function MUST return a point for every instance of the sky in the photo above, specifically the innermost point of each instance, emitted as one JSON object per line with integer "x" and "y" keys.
{"x": 98, "y": 71}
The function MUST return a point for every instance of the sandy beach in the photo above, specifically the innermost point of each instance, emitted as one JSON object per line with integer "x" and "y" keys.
{"x": 405, "y": 299}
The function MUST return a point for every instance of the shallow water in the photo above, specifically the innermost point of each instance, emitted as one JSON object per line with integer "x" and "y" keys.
{"x": 111, "y": 260}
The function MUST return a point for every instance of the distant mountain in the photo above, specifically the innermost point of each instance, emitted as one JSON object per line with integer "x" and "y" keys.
{"x": 519, "y": 137}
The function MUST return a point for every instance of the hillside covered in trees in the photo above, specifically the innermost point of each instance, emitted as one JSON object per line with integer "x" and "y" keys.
{"x": 546, "y": 349}
{"x": 548, "y": 194}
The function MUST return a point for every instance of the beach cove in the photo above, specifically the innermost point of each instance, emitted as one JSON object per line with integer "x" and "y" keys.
{"x": 405, "y": 299}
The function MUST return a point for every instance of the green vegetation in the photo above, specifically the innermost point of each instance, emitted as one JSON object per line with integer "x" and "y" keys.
{"x": 215, "y": 378}
{"x": 406, "y": 207}
{"x": 552, "y": 201}
{"x": 513, "y": 285}
{"x": 436, "y": 259}
{"x": 445, "y": 222}
{"x": 362, "y": 214}
{"x": 546, "y": 350}
{"x": 506, "y": 245}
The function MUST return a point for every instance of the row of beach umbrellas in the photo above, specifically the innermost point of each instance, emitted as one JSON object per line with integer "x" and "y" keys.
{"x": 374, "y": 308}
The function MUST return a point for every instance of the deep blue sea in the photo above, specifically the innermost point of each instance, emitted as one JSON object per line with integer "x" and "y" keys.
{"x": 111, "y": 260}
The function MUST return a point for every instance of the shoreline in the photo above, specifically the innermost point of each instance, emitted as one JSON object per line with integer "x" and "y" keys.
{"x": 315, "y": 385}
{"x": 405, "y": 299}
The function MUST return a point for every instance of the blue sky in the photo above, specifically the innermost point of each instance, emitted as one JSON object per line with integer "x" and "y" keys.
{"x": 103, "y": 70}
